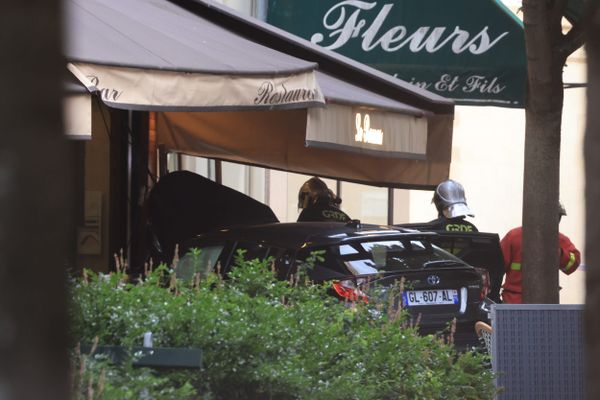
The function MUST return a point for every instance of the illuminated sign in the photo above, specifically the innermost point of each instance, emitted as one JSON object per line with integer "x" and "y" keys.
{"x": 364, "y": 132}
{"x": 361, "y": 130}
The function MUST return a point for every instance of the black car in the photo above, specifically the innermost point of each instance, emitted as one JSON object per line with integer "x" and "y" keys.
{"x": 479, "y": 249}
{"x": 361, "y": 263}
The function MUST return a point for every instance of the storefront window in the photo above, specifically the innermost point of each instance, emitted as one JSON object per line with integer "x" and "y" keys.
{"x": 402, "y": 203}
{"x": 245, "y": 179}
{"x": 280, "y": 189}
{"x": 199, "y": 165}
{"x": 366, "y": 203}
{"x": 413, "y": 206}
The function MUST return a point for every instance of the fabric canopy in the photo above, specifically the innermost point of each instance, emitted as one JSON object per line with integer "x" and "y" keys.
{"x": 151, "y": 55}
{"x": 220, "y": 93}
{"x": 278, "y": 141}
{"x": 156, "y": 90}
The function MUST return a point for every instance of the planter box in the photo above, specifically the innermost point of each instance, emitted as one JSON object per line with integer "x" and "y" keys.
{"x": 151, "y": 357}
{"x": 538, "y": 351}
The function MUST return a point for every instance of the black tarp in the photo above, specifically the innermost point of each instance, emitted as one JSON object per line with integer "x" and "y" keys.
{"x": 183, "y": 204}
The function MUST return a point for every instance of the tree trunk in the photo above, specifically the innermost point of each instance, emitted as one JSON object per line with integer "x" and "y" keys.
{"x": 592, "y": 199}
{"x": 34, "y": 201}
{"x": 543, "y": 113}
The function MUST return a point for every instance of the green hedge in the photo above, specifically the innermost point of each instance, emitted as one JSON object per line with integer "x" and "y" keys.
{"x": 262, "y": 339}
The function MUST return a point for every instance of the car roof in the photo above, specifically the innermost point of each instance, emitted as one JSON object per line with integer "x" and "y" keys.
{"x": 308, "y": 234}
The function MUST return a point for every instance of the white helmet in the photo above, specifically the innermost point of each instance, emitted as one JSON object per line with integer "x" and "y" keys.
{"x": 561, "y": 209}
{"x": 450, "y": 201}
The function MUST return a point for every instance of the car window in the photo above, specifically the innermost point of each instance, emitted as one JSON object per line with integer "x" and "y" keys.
{"x": 200, "y": 259}
{"x": 373, "y": 256}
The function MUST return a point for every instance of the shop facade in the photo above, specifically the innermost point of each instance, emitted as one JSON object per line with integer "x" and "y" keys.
{"x": 137, "y": 135}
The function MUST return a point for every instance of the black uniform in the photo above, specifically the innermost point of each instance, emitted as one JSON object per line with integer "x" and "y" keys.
{"x": 323, "y": 212}
{"x": 458, "y": 224}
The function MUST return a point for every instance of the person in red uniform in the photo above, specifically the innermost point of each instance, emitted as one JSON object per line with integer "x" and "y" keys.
{"x": 511, "y": 249}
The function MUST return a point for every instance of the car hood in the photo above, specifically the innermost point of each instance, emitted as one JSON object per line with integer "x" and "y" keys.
{"x": 183, "y": 204}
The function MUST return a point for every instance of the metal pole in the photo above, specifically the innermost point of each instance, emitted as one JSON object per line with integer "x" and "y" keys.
{"x": 390, "y": 214}
{"x": 261, "y": 9}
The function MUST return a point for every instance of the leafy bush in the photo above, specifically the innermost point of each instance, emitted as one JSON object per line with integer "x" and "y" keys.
{"x": 267, "y": 339}
{"x": 95, "y": 377}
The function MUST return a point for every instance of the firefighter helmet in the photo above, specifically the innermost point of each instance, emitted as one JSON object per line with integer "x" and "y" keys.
{"x": 450, "y": 201}
{"x": 561, "y": 209}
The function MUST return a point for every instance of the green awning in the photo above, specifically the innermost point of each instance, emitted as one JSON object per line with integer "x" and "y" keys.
{"x": 471, "y": 51}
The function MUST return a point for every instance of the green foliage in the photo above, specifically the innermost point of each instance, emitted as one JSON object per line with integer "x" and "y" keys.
{"x": 95, "y": 377}
{"x": 268, "y": 339}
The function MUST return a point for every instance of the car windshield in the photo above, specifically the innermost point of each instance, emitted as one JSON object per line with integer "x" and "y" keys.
{"x": 374, "y": 256}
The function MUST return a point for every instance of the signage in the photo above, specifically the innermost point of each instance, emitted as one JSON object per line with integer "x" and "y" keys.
{"x": 364, "y": 132}
{"x": 367, "y": 131}
{"x": 471, "y": 51}
{"x": 123, "y": 87}
{"x": 269, "y": 94}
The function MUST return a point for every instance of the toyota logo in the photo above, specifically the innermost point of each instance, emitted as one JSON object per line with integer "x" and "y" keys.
{"x": 433, "y": 280}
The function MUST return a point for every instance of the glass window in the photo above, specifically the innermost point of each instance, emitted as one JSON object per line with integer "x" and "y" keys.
{"x": 200, "y": 260}
{"x": 199, "y": 165}
{"x": 361, "y": 267}
{"x": 369, "y": 204}
{"x": 172, "y": 161}
{"x": 347, "y": 249}
{"x": 369, "y": 257}
{"x": 235, "y": 176}
{"x": 243, "y": 178}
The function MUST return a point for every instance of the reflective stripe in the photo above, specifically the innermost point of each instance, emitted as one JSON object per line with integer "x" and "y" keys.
{"x": 571, "y": 261}
{"x": 515, "y": 266}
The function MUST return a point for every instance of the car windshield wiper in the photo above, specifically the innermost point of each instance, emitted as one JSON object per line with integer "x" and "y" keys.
{"x": 443, "y": 263}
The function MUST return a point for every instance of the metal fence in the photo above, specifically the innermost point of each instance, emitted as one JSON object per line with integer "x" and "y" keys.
{"x": 538, "y": 351}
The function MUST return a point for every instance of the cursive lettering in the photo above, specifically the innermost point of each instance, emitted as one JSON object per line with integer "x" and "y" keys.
{"x": 479, "y": 83}
{"x": 344, "y": 23}
{"x": 268, "y": 93}
{"x": 106, "y": 94}
{"x": 364, "y": 132}
{"x": 447, "y": 83}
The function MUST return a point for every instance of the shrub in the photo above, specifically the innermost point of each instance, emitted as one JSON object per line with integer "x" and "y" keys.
{"x": 268, "y": 339}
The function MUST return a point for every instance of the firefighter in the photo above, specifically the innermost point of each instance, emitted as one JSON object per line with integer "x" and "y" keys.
{"x": 511, "y": 250}
{"x": 319, "y": 204}
{"x": 451, "y": 203}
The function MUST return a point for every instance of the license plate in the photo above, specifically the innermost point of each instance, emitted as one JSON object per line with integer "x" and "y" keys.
{"x": 430, "y": 297}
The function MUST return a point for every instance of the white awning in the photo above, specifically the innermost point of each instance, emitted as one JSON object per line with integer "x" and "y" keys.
{"x": 259, "y": 106}
{"x": 157, "y": 90}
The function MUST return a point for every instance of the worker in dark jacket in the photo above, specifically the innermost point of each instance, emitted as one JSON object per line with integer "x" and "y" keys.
{"x": 319, "y": 203}
{"x": 451, "y": 203}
